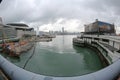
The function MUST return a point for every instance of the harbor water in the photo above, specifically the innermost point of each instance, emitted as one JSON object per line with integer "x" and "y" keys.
{"x": 59, "y": 58}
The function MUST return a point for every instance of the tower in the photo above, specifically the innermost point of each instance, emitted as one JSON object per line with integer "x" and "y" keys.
{"x": 0, "y": 21}
{"x": 62, "y": 29}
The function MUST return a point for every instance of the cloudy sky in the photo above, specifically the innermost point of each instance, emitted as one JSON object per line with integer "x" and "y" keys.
{"x": 55, "y": 14}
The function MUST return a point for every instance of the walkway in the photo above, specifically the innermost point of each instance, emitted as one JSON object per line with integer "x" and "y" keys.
{"x": 109, "y": 47}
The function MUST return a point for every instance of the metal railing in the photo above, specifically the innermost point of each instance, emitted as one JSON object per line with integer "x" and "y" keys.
{"x": 16, "y": 73}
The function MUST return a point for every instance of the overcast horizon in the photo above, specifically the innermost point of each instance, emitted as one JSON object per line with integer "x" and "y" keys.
{"x": 55, "y": 14}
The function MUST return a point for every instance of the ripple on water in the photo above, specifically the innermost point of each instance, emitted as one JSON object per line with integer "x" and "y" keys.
{"x": 60, "y": 58}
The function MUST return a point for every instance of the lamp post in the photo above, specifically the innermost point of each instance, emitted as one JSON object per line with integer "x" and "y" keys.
{"x": 98, "y": 31}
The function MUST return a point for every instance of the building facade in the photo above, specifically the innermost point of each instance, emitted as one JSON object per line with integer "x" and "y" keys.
{"x": 10, "y": 31}
{"x": 100, "y": 27}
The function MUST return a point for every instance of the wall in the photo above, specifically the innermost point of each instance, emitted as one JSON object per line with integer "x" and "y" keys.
{"x": 20, "y": 33}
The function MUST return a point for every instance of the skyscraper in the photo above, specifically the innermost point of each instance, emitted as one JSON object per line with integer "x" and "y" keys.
{"x": 62, "y": 29}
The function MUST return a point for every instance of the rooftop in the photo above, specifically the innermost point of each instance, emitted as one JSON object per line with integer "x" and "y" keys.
{"x": 18, "y": 24}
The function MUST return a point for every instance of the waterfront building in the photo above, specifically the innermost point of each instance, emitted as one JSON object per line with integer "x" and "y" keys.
{"x": 17, "y": 36}
{"x": 6, "y": 32}
{"x": 100, "y": 27}
{"x": 14, "y": 31}
{"x": 22, "y": 29}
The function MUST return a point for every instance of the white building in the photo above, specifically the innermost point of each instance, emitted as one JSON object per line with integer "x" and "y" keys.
{"x": 14, "y": 31}
{"x": 22, "y": 29}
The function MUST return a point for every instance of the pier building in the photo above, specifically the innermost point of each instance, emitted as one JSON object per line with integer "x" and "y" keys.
{"x": 100, "y": 28}
{"x": 101, "y": 36}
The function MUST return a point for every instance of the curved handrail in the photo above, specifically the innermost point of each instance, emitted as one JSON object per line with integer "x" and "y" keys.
{"x": 17, "y": 73}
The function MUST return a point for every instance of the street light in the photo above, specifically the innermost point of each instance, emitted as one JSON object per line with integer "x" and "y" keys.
{"x": 98, "y": 31}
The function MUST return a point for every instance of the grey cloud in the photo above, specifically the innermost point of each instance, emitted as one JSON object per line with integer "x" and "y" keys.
{"x": 49, "y": 11}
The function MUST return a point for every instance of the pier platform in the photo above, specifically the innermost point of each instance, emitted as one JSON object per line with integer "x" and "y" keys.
{"x": 108, "y": 45}
{"x": 111, "y": 48}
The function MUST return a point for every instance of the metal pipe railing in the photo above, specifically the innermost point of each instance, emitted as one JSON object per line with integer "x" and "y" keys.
{"x": 16, "y": 73}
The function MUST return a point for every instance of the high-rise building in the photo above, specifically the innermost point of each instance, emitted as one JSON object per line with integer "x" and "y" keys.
{"x": 63, "y": 30}
{"x": 0, "y": 21}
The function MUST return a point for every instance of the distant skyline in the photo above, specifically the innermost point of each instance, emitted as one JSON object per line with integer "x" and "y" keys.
{"x": 55, "y": 14}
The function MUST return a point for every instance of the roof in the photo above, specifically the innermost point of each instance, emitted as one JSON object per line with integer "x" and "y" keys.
{"x": 103, "y": 23}
{"x": 18, "y": 24}
{"x": 100, "y": 23}
{"x": 24, "y": 28}
{"x": 19, "y": 28}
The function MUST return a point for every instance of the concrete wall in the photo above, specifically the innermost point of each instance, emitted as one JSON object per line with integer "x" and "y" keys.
{"x": 20, "y": 33}
{"x": 7, "y": 32}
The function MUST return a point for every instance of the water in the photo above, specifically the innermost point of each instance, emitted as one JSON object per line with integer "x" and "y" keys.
{"x": 60, "y": 58}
